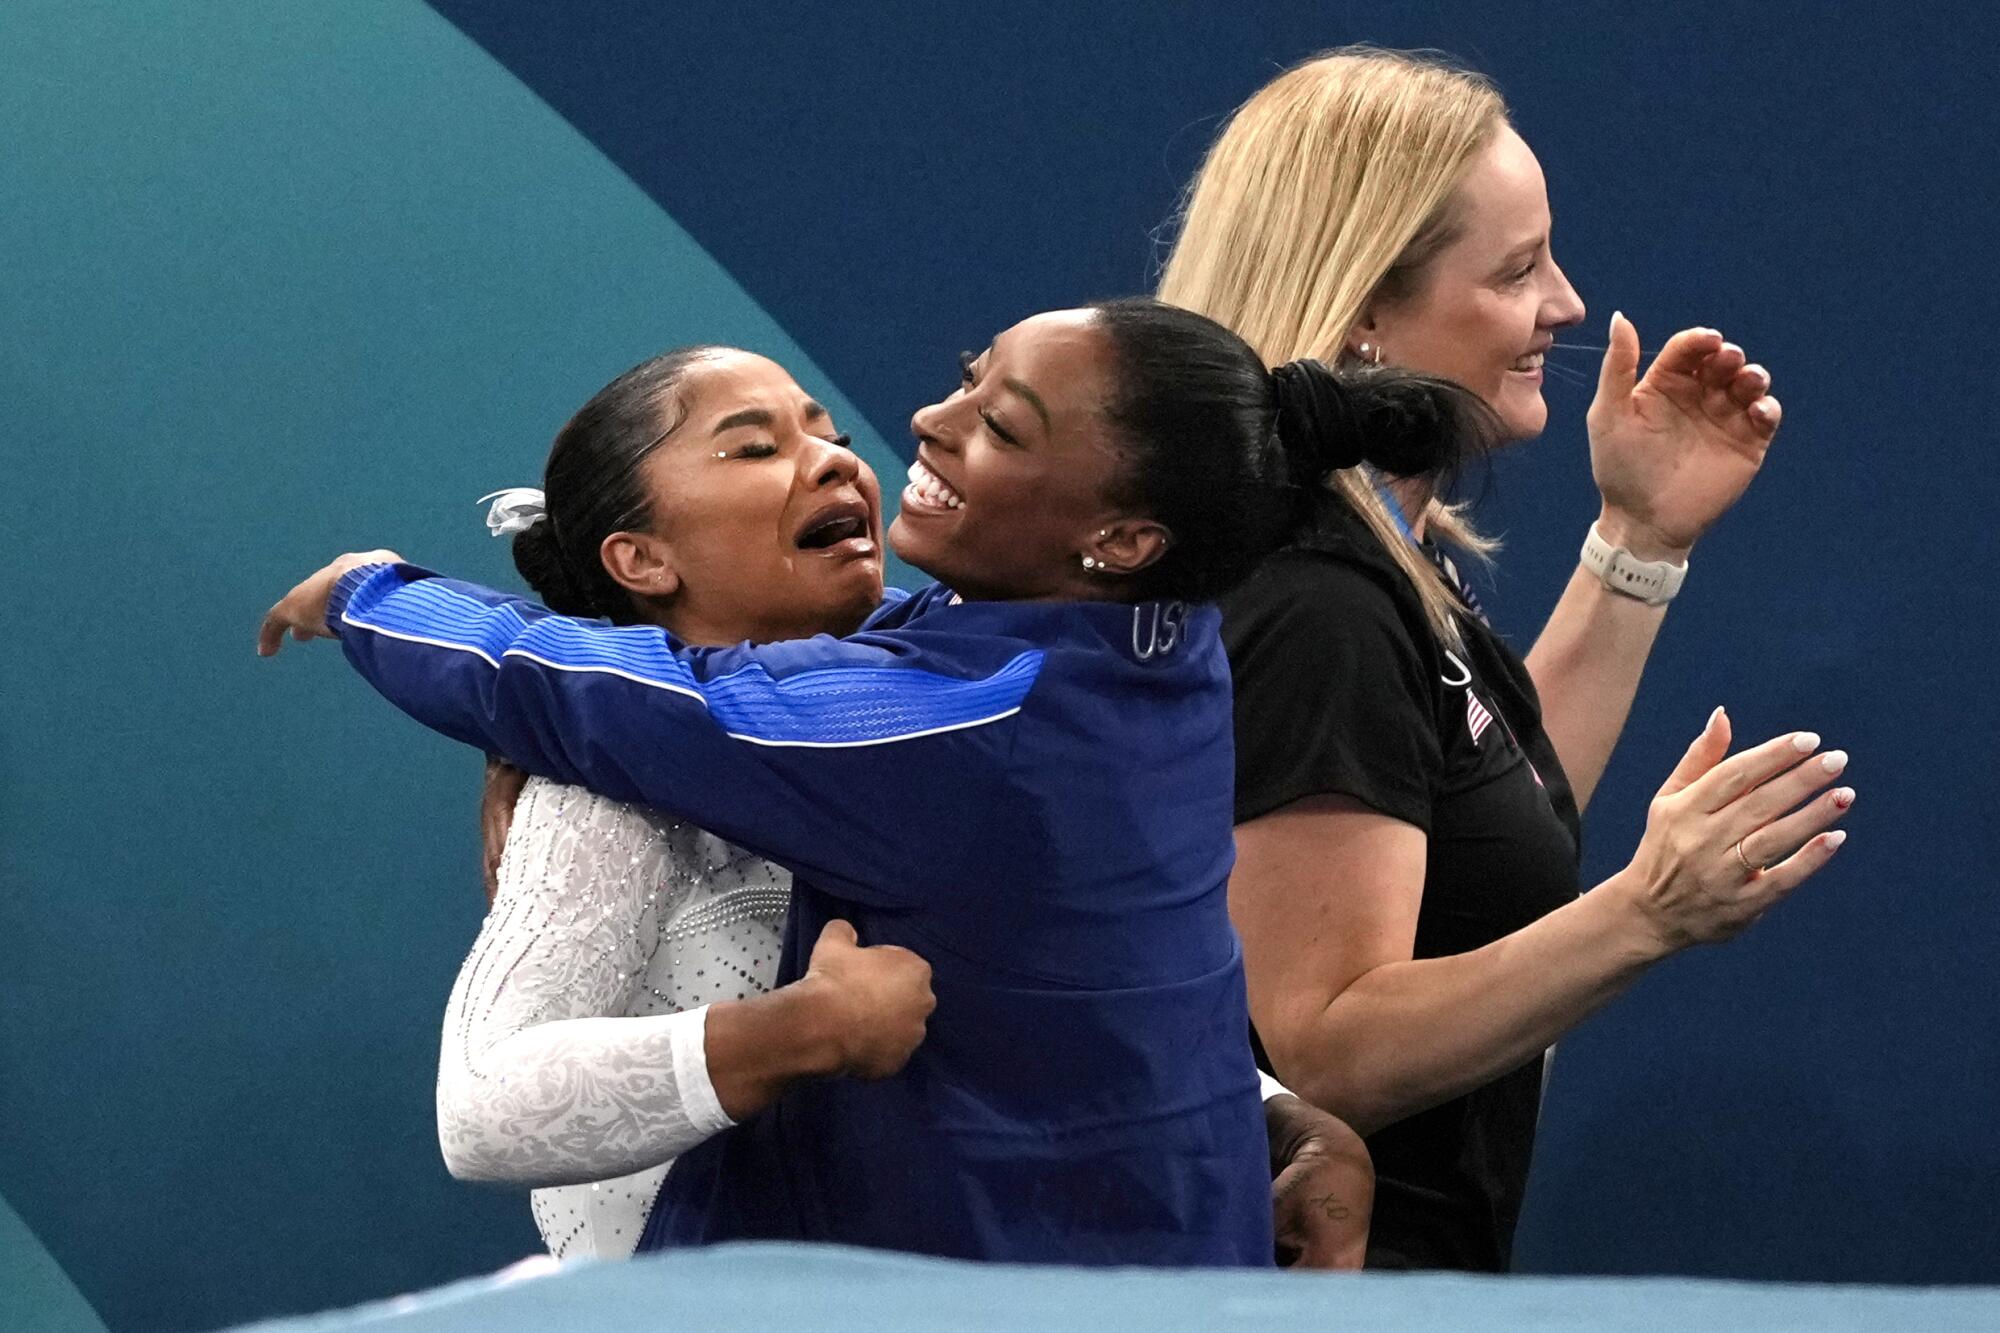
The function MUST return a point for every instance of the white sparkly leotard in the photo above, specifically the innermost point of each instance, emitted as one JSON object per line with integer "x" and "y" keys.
{"x": 573, "y": 1046}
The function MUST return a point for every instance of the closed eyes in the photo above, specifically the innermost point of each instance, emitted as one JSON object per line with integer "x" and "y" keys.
{"x": 766, "y": 449}
{"x": 967, "y": 379}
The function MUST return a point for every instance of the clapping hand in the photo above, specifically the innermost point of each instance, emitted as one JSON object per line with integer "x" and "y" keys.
{"x": 1730, "y": 836}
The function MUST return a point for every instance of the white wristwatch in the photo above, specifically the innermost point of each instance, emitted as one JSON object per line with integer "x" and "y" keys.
{"x": 1654, "y": 582}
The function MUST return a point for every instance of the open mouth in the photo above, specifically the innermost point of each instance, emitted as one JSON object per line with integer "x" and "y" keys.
{"x": 1530, "y": 363}
{"x": 927, "y": 490}
{"x": 841, "y": 525}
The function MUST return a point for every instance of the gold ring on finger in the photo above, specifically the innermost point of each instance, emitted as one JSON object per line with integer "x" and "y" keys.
{"x": 1751, "y": 870}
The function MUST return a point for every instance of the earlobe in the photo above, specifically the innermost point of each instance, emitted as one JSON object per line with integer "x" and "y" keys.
{"x": 1364, "y": 338}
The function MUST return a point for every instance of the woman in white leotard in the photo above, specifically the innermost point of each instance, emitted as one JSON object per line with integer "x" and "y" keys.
{"x": 604, "y": 909}
{"x": 613, "y": 1011}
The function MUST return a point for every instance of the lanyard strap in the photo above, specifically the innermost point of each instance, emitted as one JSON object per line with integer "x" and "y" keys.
{"x": 1395, "y": 508}
{"x": 1445, "y": 565}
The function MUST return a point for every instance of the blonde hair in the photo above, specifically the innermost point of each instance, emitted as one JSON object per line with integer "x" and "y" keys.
{"x": 1333, "y": 184}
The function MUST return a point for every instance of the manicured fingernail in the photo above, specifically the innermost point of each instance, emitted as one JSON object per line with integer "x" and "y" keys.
{"x": 1835, "y": 838}
{"x": 1616, "y": 315}
{"x": 1713, "y": 718}
{"x": 1806, "y": 742}
{"x": 1844, "y": 797}
{"x": 1833, "y": 760}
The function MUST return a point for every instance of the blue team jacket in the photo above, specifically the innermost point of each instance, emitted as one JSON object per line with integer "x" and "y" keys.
{"x": 1035, "y": 797}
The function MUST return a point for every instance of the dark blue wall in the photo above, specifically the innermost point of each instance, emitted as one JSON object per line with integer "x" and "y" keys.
{"x": 1808, "y": 1103}
{"x": 283, "y": 282}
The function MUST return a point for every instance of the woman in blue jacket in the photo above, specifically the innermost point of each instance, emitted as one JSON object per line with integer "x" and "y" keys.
{"x": 1023, "y": 773}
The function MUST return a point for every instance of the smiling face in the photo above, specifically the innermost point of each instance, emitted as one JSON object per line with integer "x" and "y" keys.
{"x": 1486, "y": 307}
{"x": 764, "y": 526}
{"x": 1015, "y": 473}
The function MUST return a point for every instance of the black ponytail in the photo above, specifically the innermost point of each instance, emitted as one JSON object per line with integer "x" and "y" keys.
{"x": 594, "y": 488}
{"x": 1233, "y": 458}
{"x": 1403, "y": 424}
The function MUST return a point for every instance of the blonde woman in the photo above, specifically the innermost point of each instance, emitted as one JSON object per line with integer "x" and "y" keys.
{"x": 1408, "y": 788}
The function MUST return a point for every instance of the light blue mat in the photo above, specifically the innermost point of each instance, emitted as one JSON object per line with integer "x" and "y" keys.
{"x": 760, "y": 1288}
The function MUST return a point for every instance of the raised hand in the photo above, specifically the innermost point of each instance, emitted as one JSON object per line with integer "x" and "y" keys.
{"x": 1672, "y": 451}
{"x": 302, "y": 611}
{"x": 1728, "y": 838}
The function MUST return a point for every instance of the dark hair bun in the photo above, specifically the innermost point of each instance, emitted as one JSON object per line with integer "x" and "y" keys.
{"x": 1398, "y": 421}
{"x": 540, "y": 561}
{"x": 1231, "y": 456}
{"x": 1316, "y": 420}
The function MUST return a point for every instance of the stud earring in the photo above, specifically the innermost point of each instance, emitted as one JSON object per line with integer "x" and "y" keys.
{"x": 1369, "y": 352}
{"x": 1092, "y": 564}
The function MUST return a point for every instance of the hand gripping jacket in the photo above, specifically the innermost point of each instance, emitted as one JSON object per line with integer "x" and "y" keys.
{"x": 1035, "y": 797}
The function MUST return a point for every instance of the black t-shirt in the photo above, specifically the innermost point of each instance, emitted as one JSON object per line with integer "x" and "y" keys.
{"x": 1342, "y": 688}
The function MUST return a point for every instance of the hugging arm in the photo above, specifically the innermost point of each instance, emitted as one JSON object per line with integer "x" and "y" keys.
{"x": 539, "y": 1082}
{"x": 819, "y": 754}
{"x": 543, "y": 1081}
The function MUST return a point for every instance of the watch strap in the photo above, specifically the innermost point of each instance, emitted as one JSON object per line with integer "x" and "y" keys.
{"x": 1654, "y": 582}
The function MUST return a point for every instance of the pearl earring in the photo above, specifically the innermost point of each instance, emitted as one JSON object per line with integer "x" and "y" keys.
{"x": 1091, "y": 564}
{"x": 1369, "y": 352}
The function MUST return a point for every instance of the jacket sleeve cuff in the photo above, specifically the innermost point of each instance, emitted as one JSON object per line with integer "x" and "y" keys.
{"x": 363, "y": 586}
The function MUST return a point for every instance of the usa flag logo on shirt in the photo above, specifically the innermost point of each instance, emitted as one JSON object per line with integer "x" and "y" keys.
{"x": 1476, "y": 716}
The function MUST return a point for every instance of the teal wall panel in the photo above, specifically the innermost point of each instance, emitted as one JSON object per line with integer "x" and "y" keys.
{"x": 279, "y": 281}
{"x": 35, "y": 1293}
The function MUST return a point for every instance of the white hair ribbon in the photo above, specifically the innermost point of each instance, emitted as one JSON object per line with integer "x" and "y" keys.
{"x": 515, "y": 509}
